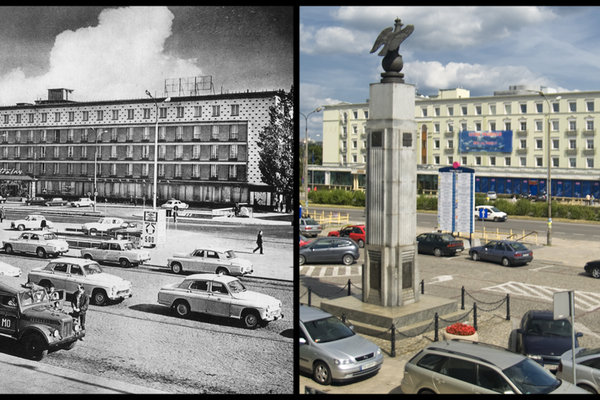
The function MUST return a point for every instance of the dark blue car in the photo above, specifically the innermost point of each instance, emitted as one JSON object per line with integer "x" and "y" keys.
{"x": 505, "y": 252}
{"x": 542, "y": 338}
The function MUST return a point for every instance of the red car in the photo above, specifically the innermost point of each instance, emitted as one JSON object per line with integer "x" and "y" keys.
{"x": 303, "y": 240}
{"x": 354, "y": 232}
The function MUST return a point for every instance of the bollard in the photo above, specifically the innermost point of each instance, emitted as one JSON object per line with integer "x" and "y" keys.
{"x": 436, "y": 325}
{"x": 508, "y": 306}
{"x": 309, "y": 293}
{"x": 475, "y": 316}
{"x": 349, "y": 285}
{"x": 422, "y": 286}
{"x": 462, "y": 298}
{"x": 393, "y": 352}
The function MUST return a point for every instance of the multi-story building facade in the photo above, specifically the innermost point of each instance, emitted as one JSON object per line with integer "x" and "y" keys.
{"x": 520, "y": 113}
{"x": 207, "y": 151}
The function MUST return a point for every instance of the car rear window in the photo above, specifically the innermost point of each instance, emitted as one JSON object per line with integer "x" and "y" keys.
{"x": 310, "y": 221}
{"x": 519, "y": 246}
{"x": 432, "y": 362}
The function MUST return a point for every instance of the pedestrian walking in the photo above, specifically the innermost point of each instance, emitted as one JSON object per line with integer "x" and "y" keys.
{"x": 259, "y": 242}
{"x": 175, "y": 214}
{"x": 80, "y": 304}
{"x": 2, "y": 214}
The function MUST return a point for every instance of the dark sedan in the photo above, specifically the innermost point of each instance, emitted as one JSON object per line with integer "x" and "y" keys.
{"x": 36, "y": 201}
{"x": 542, "y": 338}
{"x": 330, "y": 249}
{"x": 439, "y": 244}
{"x": 505, "y": 252}
{"x": 593, "y": 268}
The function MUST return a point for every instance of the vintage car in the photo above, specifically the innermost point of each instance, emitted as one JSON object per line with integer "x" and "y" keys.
{"x": 220, "y": 295}
{"x": 173, "y": 204}
{"x": 56, "y": 201}
{"x": 32, "y": 221}
{"x": 28, "y": 316}
{"x": 127, "y": 228}
{"x": 2, "y": 199}
{"x": 36, "y": 201}
{"x": 104, "y": 224}
{"x": 9, "y": 270}
{"x": 66, "y": 273}
{"x": 210, "y": 261}
{"x": 83, "y": 202}
{"x": 40, "y": 243}
{"x": 122, "y": 252}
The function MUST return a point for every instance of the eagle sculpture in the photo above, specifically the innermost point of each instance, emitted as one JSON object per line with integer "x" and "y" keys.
{"x": 391, "y": 40}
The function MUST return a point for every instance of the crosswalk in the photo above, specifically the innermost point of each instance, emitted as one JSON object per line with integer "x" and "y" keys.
{"x": 586, "y": 301}
{"x": 322, "y": 271}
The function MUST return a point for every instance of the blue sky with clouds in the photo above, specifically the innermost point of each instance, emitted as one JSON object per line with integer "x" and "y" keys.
{"x": 482, "y": 49}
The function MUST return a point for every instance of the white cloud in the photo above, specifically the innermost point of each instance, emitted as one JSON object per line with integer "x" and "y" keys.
{"x": 334, "y": 39}
{"x": 119, "y": 58}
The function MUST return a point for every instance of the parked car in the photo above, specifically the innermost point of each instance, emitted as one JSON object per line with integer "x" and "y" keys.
{"x": 83, "y": 202}
{"x": 491, "y": 195}
{"x": 439, "y": 244}
{"x": 29, "y": 317}
{"x": 103, "y": 225}
{"x": 218, "y": 261}
{"x": 127, "y": 228}
{"x": 173, "y": 204}
{"x": 354, "y": 232}
{"x": 505, "y": 252}
{"x": 9, "y": 270}
{"x": 220, "y": 295}
{"x": 587, "y": 371}
{"x": 40, "y": 243}
{"x": 304, "y": 240}
{"x": 122, "y": 252}
{"x": 329, "y": 250}
{"x": 32, "y": 221}
{"x": 593, "y": 268}
{"x": 331, "y": 351}
{"x": 36, "y": 201}
{"x": 493, "y": 214}
{"x": 2, "y": 199}
{"x": 463, "y": 367}
{"x": 67, "y": 273}
{"x": 56, "y": 201}
{"x": 309, "y": 227}
{"x": 542, "y": 338}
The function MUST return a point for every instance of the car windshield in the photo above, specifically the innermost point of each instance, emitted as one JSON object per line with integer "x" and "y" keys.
{"x": 549, "y": 327}
{"x": 587, "y": 352}
{"x": 310, "y": 221}
{"x": 91, "y": 269}
{"x": 519, "y": 246}
{"x": 531, "y": 378}
{"x": 494, "y": 209}
{"x": 236, "y": 287}
{"x": 327, "y": 330}
{"x": 230, "y": 254}
{"x": 34, "y": 297}
{"x": 50, "y": 236}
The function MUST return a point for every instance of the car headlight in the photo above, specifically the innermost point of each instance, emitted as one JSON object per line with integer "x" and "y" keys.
{"x": 113, "y": 290}
{"x": 55, "y": 333}
{"x": 378, "y": 352}
{"x": 343, "y": 361}
{"x": 535, "y": 357}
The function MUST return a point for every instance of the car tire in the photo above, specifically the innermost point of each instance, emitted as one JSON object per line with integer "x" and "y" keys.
{"x": 587, "y": 388}
{"x": 182, "y": 308}
{"x": 302, "y": 260}
{"x": 92, "y": 231}
{"x": 361, "y": 243}
{"x": 21, "y": 227}
{"x": 124, "y": 263}
{"x": 437, "y": 252}
{"x": 41, "y": 253}
{"x": 69, "y": 346}
{"x": 495, "y": 219}
{"x": 512, "y": 341}
{"x": 347, "y": 259}
{"x": 596, "y": 272}
{"x": 8, "y": 249}
{"x": 176, "y": 268}
{"x": 426, "y": 391}
{"x": 99, "y": 297}
{"x": 88, "y": 256}
{"x": 321, "y": 373}
{"x": 35, "y": 346}
{"x": 506, "y": 262}
{"x": 250, "y": 319}
{"x": 222, "y": 270}
{"x": 475, "y": 256}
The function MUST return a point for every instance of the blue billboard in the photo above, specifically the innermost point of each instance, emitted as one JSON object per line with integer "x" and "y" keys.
{"x": 490, "y": 141}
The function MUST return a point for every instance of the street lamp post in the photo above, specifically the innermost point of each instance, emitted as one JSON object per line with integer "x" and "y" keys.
{"x": 155, "y": 176}
{"x": 97, "y": 133}
{"x": 305, "y": 173}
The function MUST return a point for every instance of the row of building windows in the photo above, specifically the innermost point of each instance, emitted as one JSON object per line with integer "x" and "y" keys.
{"x": 539, "y": 144}
{"x": 493, "y": 161}
{"x": 521, "y": 127}
{"x": 18, "y": 118}
{"x": 523, "y": 108}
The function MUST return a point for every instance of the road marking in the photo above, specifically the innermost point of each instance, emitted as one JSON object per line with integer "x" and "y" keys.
{"x": 322, "y": 273}
{"x": 586, "y": 301}
{"x": 348, "y": 270}
{"x": 335, "y": 271}
{"x": 540, "y": 268}
{"x": 441, "y": 278}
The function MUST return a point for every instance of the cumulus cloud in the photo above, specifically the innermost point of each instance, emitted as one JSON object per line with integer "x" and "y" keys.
{"x": 333, "y": 39}
{"x": 119, "y": 58}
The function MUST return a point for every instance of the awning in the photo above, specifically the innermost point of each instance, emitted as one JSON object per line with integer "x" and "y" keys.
{"x": 15, "y": 178}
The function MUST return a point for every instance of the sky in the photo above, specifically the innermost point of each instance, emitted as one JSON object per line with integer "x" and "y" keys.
{"x": 109, "y": 53}
{"x": 482, "y": 49}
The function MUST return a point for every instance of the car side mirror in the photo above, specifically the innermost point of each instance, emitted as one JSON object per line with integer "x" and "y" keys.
{"x": 302, "y": 340}
{"x": 578, "y": 334}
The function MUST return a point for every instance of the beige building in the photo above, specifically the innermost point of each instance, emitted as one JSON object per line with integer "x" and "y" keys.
{"x": 521, "y": 113}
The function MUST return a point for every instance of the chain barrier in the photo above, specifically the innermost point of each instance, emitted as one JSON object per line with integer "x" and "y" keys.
{"x": 458, "y": 319}
{"x": 305, "y": 293}
{"x": 493, "y": 309}
{"x": 479, "y": 301}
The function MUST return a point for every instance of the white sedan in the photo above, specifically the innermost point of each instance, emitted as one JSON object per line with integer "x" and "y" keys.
{"x": 9, "y": 270}
{"x": 173, "y": 204}
{"x": 32, "y": 221}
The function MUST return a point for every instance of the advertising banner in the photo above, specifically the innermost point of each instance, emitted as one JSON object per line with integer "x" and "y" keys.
{"x": 491, "y": 141}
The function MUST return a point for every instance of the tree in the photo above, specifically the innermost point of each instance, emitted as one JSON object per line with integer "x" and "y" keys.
{"x": 276, "y": 147}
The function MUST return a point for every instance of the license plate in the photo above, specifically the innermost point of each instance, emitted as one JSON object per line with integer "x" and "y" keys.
{"x": 459, "y": 250}
{"x": 368, "y": 365}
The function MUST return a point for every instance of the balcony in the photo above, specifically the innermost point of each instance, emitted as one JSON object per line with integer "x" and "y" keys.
{"x": 588, "y": 152}
{"x": 590, "y": 132}
{"x": 522, "y": 151}
{"x": 571, "y": 152}
{"x": 571, "y": 133}
{"x": 449, "y": 133}
{"x": 449, "y": 150}
{"x": 522, "y": 133}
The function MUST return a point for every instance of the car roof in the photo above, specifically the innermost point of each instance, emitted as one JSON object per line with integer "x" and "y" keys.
{"x": 491, "y": 354}
{"x": 74, "y": 260}
{"x": 541, "y": 314}
{"x": 12, "y": 285}
{"x": 308, "y": 313}
{"x": 115, "y": 241}
{"x": 38, "y": 231}
{"x": 212, "y": 277}
{"x": 217, "y": 249}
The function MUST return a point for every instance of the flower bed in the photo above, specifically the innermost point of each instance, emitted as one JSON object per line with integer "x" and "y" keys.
{"x": 460, "y": 331}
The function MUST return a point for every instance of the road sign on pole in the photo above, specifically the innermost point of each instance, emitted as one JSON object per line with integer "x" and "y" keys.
{"x": 154, "y": 229}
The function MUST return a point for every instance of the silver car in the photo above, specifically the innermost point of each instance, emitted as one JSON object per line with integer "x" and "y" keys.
{"x": 462, "y": 367}
{"x": 588, "y": 368}
{"x": 331, "y": 351}
{"x": 309, "y": 227}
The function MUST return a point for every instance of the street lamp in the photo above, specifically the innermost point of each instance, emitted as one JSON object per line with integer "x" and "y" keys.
{"x": 97, "y": 133}
{"x": 154, "y": 190}
{"x": 305, "y": 174}
{"x": 549, "y": 161}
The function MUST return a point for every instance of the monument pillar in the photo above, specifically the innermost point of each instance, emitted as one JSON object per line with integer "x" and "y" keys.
{"x": 390, "y": 273}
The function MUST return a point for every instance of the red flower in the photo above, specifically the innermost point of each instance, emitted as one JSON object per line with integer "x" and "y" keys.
{"x": 460, "y": 329}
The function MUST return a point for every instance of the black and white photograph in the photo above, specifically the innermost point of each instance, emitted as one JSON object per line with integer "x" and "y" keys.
{"x": 147, "y": 198}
